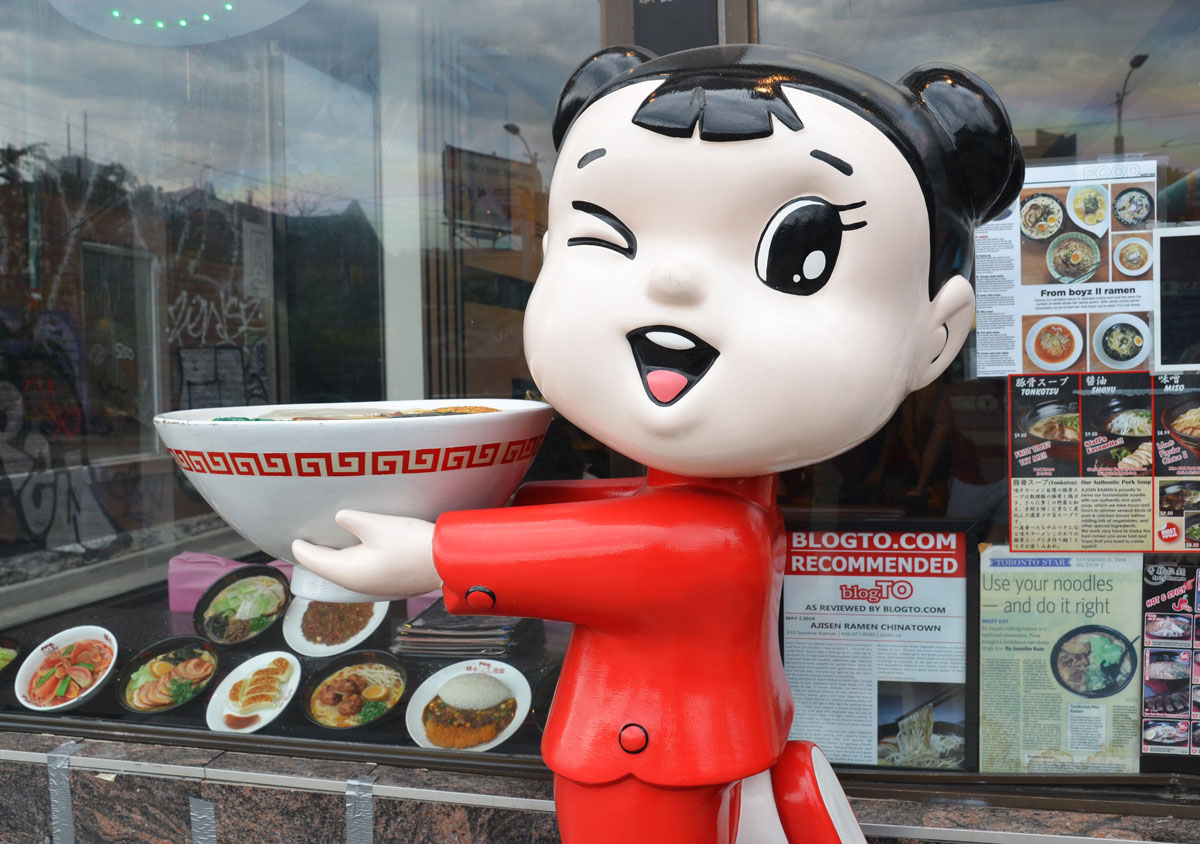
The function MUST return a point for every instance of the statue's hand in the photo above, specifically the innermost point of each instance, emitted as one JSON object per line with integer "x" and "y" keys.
{"x": 394, "y": 557}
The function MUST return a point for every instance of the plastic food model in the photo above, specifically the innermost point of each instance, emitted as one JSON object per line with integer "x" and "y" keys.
{"x": 753, "y": 256}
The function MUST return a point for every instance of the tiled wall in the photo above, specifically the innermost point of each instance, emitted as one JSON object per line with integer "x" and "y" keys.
{"x": 147, "y": 794}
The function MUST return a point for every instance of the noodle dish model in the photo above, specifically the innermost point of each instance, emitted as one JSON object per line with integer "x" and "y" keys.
{"x": 725, "y": 224}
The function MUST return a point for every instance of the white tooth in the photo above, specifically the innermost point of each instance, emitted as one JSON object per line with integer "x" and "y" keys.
{"x": 670, "y": 340}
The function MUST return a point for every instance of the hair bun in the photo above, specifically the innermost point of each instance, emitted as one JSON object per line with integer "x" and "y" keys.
{"x": 990, "y": 166}
{"x": 596, "y": 72}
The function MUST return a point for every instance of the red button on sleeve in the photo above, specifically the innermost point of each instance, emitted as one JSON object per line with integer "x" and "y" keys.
{"x": 481, "y": 598}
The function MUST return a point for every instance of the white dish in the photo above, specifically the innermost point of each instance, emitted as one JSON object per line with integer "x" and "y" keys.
{"x": 293, "y": 635}
{"x": 518, "y": 686}
{"x": 1149, "y": 256}
{"x": 1108, "y": 322}
{"x": 1031, "y": 343}
{"x": 218, "y": 706}
{"x": 56, "y": 642}
{"x": 1100, "y": 226}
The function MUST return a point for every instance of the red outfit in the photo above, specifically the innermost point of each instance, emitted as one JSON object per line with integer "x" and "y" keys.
{"x": 672, "y": 689}
{"x": 673, "y": 584}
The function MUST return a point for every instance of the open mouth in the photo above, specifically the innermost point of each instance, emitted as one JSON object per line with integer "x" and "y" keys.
{"x": 670, "y": 360}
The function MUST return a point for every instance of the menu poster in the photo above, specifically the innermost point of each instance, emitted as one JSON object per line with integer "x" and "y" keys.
{"x": 1075, "y": 261}
{"x": 1058, "y": 661}
{"x": 1083, "y": 453}
{"x": 1170, "y": 681}
{"x": 1177, "y": 461}
{"x": 876, "y": 638}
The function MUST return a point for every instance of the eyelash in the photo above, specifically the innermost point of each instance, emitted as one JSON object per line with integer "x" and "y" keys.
{"x": 628, "y": 249}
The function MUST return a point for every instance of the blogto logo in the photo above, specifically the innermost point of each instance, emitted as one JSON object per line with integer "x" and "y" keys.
{"x": 882, "y": 590}
{"x": 1168, "y": 532}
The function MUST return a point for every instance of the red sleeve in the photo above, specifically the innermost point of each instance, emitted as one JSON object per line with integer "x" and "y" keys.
{"x": 599, "y": 563}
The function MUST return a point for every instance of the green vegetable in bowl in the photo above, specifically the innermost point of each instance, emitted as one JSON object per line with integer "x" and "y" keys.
{"x": 371, "y": 710}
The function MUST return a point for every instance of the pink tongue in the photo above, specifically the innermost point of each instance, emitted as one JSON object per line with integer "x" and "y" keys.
{"x": 665, "y": 385}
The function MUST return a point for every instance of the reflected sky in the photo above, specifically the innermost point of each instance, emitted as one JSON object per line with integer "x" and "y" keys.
{"x": 1057, "y": 64}
{"x": 291, "y": 116}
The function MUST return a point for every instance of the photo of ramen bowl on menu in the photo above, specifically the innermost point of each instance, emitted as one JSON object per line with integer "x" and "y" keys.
{"x": 1128, "y": 422}
{"x": 1166, "y": 670}
{"x": 1182, "y": 421}
{"x": 359, "y": 689}
{"x": 1054, "y": 343}
{"x": 1073, "y": 257}
{"x": 1175, "y": 497}
{"x": 241, "y": 605}
{"x": 1093, "y": 661}
{"x": 167, "y": 674}
{"x": 1191, "y": 531}
{"x": 1168, "y": 628}
{"x": 1134, "y": 255}
{"x": 1165, "y": 733}
{"x": 473, "y": 705}
{"x": 276, "y": 473}
{"x": 1056, "y": 423}
{"x": 1042, "y": 216}
{"x": 1121, "y": 341}
{"x": 1134, "y": 208}
{"x": 67, "y": 669}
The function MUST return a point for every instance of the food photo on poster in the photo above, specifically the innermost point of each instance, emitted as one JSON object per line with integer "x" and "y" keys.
{"x": 1170, "y": 678}
{"x": 896, "y": 605}
{"x": 1079, "y": 254}
{"x": 1045, "y": 426}
{"x": 1058, "y": 659}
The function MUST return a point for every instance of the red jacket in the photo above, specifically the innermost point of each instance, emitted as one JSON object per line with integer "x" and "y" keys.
{"x": 673, "y": 671}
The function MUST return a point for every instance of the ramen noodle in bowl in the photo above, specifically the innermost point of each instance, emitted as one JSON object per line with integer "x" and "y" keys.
{"x": 356, "y": 695}
{"x": 916, "y": 745}
{"x": 1090, "y": 206}
{"x": 1092, "y": 661}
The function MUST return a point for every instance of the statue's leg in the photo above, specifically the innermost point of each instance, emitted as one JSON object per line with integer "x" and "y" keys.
{"x": 633, "y": 812}
{"x": 812, "y": 806}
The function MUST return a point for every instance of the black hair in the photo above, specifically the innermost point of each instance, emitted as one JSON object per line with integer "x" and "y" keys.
{"x": 947, "y": 122}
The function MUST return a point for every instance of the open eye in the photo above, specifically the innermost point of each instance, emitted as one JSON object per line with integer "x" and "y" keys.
{"x": 799, "y": 247}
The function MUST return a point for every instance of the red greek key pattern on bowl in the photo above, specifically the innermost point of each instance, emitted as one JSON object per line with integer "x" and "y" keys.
{"x": 344, "y": 464}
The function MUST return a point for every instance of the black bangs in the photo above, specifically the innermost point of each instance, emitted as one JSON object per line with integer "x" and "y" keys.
{"x": 727, "y": 109}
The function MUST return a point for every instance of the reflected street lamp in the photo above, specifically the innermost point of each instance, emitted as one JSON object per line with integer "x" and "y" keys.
{"x": 1134, "y": 63}
{"x": 514, "y": 129}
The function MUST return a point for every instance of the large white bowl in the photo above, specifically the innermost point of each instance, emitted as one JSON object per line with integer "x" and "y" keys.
{"x": 59, "y": 641}
{"x": 276, "y": 481}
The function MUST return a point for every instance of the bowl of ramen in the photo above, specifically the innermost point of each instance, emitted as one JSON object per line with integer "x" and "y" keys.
{"x": 167, "y": 674}
{"x": 327, "y": 628}
{"x": 1128, "y": 423}
{"x": 1054, "y": 343}
{"x": 1121, "y": 341}
{"x": 1056, "y": 423}
{"x": 1041, "y": 216}
{"x": 1166, "y": 733}
{"x": 358, "y": 689}
{"x": 1182, "y": 421}
{"x": 241, "y": 605}
{"x": 1133, "y": 207}
{"x": 1093, "y": 661}
{"x": 1168, "y": 627}
{"x": 1087, "y": 205}
{"x": 1191, "y": 531}
{"x": 1134, "y": 255}
{"x": 1073, "y": 257}
{"x": 1167, "y": 669}
{"x": 918, "y": 741}
{"x": 1176, "y": 497}
{"x": 67, "y": 669}
{"x": 276, "y": 473}
{"x": 473, "y": 705}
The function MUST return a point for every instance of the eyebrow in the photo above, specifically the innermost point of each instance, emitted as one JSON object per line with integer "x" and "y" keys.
{"x": 832, "y": 161}
{"x": 589, "y": 157}
{"x": 628, "y": 249}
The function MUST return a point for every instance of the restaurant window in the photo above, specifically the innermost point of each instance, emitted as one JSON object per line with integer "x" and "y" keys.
{"x": 344, "y": 201}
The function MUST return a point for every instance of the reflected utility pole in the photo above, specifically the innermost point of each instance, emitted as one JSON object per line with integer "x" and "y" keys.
{"x": 1134, "y": 63}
